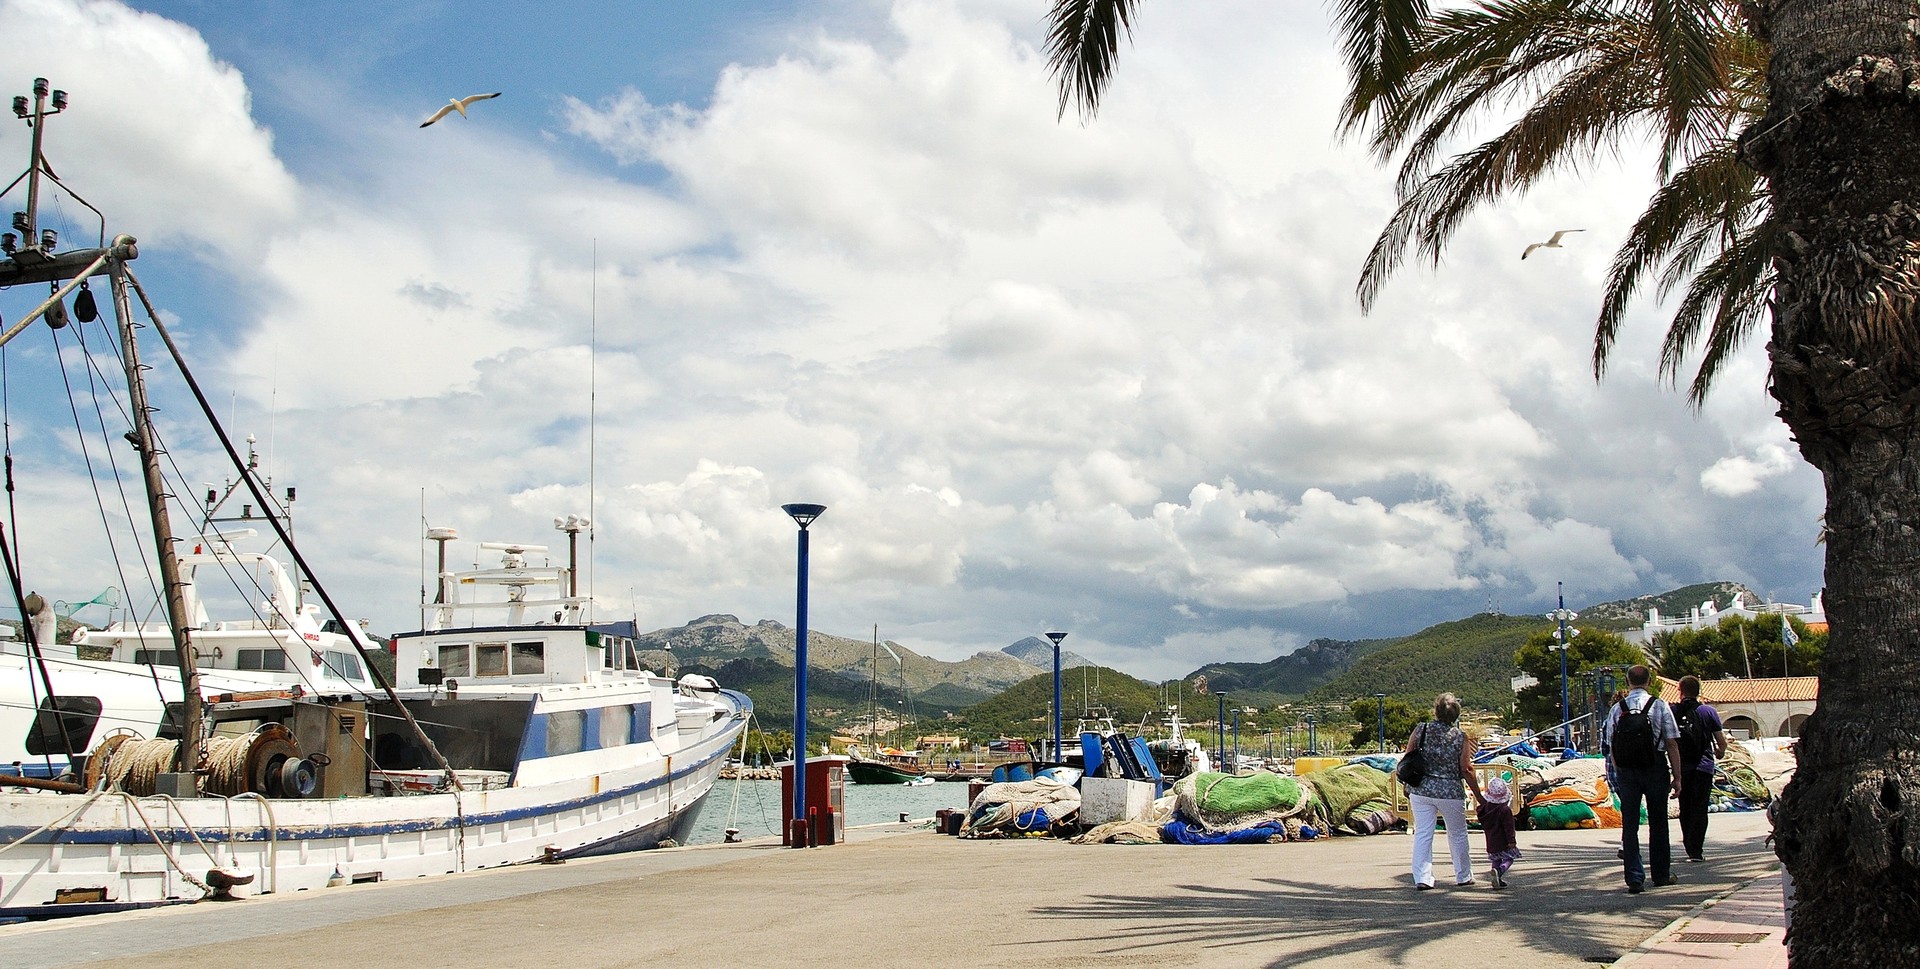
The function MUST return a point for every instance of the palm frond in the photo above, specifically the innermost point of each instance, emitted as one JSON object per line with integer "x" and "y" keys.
{"x": 1083, "y": 43}
{"x": 1737, "y": 287}
{"x": 1701, "y": 209}
{"x": 1684, "y": 39}
{"x": 1564, "y": 127}
{"x": 1378, "y": 39}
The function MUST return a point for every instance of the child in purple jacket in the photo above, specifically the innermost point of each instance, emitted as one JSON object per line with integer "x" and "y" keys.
{"x": 1496, "y": 822}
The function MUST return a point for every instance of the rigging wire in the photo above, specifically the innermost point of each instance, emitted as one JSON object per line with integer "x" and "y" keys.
{"x": 299, "y": 560}
{"x": 95, "y": 380}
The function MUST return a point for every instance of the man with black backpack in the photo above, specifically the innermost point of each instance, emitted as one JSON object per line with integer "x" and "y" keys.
{"x": 1643, "y": 748}
{"x": 1702, "y": 738}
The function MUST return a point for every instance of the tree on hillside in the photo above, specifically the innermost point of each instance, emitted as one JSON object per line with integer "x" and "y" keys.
{"x": 1401, "y": 717}
{"x": 1740, "y": 646}
{"x": 1788, "y": 196}
{"x": 1539, "y": 657}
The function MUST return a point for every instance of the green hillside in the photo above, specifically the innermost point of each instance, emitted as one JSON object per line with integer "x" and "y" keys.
{"x": 1288, "y": 677}
{"x": 1021, "y": 709}
{"x": 1471, "y": 658}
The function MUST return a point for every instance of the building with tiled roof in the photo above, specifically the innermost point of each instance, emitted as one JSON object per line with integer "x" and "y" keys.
{"x": 1774, "y": 706}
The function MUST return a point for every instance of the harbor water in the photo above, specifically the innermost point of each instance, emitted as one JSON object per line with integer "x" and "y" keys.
{"x": 754, "y": 806}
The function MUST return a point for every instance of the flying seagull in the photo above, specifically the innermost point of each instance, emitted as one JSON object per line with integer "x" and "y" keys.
{"x": 1553, "y": 243}
{"x": 457, "y": 104}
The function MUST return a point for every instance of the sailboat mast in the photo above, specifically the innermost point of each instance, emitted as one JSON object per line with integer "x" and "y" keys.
{"x": 193, "y": 710}
{"x": 873, "y": 695}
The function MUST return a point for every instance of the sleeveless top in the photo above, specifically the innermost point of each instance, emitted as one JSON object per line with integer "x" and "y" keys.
{"x": 1441, "y": 743}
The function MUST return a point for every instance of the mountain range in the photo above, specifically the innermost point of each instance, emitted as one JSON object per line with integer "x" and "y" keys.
{"x": 1471, "y": 657}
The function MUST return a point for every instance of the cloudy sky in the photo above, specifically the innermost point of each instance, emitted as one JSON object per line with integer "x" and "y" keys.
{"x": 701, "y": 259}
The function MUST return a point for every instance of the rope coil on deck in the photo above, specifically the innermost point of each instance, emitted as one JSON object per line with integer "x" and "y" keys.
{"x": 235, "y": 765}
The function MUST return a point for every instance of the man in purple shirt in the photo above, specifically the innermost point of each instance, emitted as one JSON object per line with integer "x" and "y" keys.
{"x": 1702, "y": 738}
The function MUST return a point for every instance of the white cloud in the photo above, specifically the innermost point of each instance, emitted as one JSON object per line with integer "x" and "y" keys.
{"x": 1109, "y": 376}
{"x": 158, "y": 133}
{"x": 1738, "y": 475}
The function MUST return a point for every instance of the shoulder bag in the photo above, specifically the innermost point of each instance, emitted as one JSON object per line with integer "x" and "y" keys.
{"x": 1413, "y": 763}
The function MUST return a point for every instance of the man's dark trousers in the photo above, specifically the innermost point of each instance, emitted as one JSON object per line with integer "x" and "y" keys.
{"x": 1651, "y": 785}
{"x": 1696, "y": 789}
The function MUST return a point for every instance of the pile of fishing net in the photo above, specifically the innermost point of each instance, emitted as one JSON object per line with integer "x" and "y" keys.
{"x": 1352, "y": 798}
{"x": 1384, "y": 763}
{"x": 1571, "y": 794}
{"x": 1269, "y": 808}
{"x": 1016, "y": 808}
{"x": 1741, "y": 781}
{"x": 1259, "y": 807}
{"x": 1772, "y": 765}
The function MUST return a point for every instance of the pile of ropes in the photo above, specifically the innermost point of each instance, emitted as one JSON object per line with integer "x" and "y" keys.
{"x": 135, "y": 766}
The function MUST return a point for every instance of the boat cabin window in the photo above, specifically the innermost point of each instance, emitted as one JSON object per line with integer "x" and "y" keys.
{"x": 490, "y": 659}
{"x": 344, "y": 665}
{"x": 529, "y": 658}
{"x": 616, "y": 726}
{"x": 566, "y": 731}
{"x": 170, "y": 658}
{"x": 456, "y": 660}
{"x": 78, "y": 715}
{"x": 263, "y": 659}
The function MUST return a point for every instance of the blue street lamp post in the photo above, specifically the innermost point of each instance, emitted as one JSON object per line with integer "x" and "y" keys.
{"x": 1236, "y": 741}
{"x": 799, "y": 830}
{"x": 1220, "y": 733}
{"x": 1059, "y": 755}
{"x": 1380, "y": 703}
{"x": 1563, "y": 615}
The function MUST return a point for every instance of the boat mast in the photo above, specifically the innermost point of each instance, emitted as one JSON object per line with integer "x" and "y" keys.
{"x": 873, "y": 697}
{"x": 193, "y": 713}
{"x": 32, "y": 259}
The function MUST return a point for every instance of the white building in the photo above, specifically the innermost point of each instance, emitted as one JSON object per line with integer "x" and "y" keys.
{"x": 1708, "y": 614}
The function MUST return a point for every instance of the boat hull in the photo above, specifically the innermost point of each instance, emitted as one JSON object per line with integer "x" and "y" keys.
{"x": 873, "y": 772}
{"x": 108, "y": 850}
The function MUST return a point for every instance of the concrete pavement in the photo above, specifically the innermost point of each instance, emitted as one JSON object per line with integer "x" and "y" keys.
{"x": 896, "y": 895}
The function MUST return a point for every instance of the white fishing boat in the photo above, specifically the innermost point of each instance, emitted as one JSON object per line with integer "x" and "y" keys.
{"x": 1178, "y": 754}
{"x": 266, "y": 752}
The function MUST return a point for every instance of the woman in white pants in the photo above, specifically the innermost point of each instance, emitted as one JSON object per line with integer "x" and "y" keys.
{"x": 1439, "y": 794}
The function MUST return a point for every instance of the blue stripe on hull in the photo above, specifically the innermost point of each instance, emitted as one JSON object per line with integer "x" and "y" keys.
{"x": 10, "y": 833}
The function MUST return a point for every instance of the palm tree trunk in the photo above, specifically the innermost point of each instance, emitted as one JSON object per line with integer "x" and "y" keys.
{"x": 1838, "y": 147}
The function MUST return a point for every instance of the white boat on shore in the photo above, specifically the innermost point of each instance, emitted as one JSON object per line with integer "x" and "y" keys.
{"x": 221, "y": 756}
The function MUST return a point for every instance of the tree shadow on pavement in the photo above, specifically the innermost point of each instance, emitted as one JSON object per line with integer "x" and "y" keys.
{"x": 1566, "y": 903}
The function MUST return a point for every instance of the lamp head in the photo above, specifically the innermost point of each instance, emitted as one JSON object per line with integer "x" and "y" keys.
{"x": 1056, "y": 637}
{"x": 804, "y": 514}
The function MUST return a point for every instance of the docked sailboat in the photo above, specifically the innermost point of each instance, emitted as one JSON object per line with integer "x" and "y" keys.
{"x": 232, "y": 755}
{"x": 874, "y": 763}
